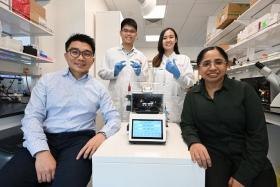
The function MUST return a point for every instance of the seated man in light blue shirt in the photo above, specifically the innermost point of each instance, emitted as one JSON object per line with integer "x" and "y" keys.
{"x": 59, "y": 124}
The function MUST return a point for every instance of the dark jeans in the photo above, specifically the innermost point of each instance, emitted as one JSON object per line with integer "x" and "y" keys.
{"x": 20, "y": 170}
{"x": 222, "y": 169}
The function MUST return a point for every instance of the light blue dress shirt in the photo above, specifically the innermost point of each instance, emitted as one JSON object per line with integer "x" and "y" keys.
{"x": 60, "y": 103}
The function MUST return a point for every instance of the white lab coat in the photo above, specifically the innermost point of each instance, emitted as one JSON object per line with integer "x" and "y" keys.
{"x": 174, "y": 90}
{"x": 118, "y": 86}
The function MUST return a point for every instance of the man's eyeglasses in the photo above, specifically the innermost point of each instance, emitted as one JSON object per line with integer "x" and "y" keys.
{"x": 207, "y": 63}
{"x": 131, "y": 31}
{"x": 75, "y": 53}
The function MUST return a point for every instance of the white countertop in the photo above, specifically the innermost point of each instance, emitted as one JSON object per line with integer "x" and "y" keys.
{"x": 118, "y": 147}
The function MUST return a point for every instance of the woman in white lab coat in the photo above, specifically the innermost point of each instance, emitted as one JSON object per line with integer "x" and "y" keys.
{"x": 174, "y": 72}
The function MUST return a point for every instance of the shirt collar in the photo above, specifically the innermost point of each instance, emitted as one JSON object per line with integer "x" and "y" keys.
{"x": 67, "y": 72}
{"x": 201, "y": 86}
{"x": 133, "y": 50}
{"x": 226, "y": 83}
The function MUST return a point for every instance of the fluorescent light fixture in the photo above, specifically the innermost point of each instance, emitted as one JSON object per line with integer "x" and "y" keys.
{"x": 147, "y": 6}
{"x": 157, "y": 13}
{"x": 152, "y": 38}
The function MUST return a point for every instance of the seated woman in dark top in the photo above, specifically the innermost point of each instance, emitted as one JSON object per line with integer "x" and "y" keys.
{"x": 224, "y": 126}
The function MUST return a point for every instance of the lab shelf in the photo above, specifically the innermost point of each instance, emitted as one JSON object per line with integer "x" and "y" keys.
{"x": 17, "y": 25}
{"x": 19, "y": 57}
{"x": 267, "y": 38}
{"x": 231, "y": 31}
{"x": 272, "y": 60}
{"x": 255, "y": 9}
{"x": 228, "y": 34}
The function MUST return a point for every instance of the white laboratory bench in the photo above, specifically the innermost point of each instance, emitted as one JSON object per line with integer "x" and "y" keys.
{"x": 117, "y": 163}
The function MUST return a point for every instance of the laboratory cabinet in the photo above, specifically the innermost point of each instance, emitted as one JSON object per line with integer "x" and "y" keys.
{"x": 149, "y": 165}
{"x": 16, "y": 25}
{"x": 18, "y": 69}
{"x": 17, "y": 75}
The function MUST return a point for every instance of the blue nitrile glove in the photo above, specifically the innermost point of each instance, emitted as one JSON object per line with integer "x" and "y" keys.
{"x": 136, "y": 67}
{"x": 118, "y": 67}
{"x": 172, "y": 68}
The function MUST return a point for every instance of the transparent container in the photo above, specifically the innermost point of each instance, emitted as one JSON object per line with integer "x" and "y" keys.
{"x": 147, "y": 97}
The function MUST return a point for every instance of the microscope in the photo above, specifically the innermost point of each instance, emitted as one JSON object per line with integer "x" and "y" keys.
{"x": 274, "y": 80}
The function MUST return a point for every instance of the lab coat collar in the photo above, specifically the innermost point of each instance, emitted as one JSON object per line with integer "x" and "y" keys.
{"x": 133, "y": 50}
{"x": 172, "y": 56}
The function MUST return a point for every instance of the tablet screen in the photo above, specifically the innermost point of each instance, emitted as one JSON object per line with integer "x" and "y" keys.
{"x": 147, "y": 129}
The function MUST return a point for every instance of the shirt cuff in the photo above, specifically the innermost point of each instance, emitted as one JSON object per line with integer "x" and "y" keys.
{"x": 36, "y": 146}
{"x": 104, "y": 134}
{"x": 244, "y": 175}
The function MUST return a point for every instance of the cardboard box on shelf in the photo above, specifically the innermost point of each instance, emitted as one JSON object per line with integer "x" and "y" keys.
{"x": 29, "y": 9}
{"x": 252, "y": 2}
{"x": 38, "y": 9}
{"x": 21, "y": 7}
{"x": 11, "y": 44}
{"x": 35, "y": 17}
{"x": 229, "y": 13}
{"x": 224, "y": 46}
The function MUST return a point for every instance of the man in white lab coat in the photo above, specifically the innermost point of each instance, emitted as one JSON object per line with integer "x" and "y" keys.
{"x": 123, "y": 66}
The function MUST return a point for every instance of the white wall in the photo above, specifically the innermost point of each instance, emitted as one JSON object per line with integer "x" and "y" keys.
{"x": 91, "y": 7}
{"x": 75, "y": 17}
{"x": 107, "y": 33}
{"x": 64, "y": 23}
{"x": 47, "y": 43}
{"x": 191, "y": 52}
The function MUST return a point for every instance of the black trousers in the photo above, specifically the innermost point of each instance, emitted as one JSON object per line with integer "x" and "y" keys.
{"x": 20, "y": 171}
{"x": 222, "y": 169}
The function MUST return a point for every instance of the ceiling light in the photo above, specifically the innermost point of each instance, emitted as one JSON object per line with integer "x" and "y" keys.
{"x": 157, "y": 13}
{"x": 152, "y": 38}
{"x": 147, "y": 6}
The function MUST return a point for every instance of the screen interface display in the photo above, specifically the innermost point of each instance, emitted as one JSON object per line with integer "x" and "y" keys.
{"x": 147, "y": 129}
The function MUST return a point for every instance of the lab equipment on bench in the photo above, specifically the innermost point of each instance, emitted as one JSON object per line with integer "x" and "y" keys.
{"x": 147, "y": 128}
{"x": 147, "y": 120}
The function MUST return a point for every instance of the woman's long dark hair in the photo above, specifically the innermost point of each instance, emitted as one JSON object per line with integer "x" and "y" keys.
{"x": 158, "y": 58}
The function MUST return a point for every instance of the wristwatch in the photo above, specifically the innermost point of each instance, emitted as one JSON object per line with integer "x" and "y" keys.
{"x": 101, "y": 132}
